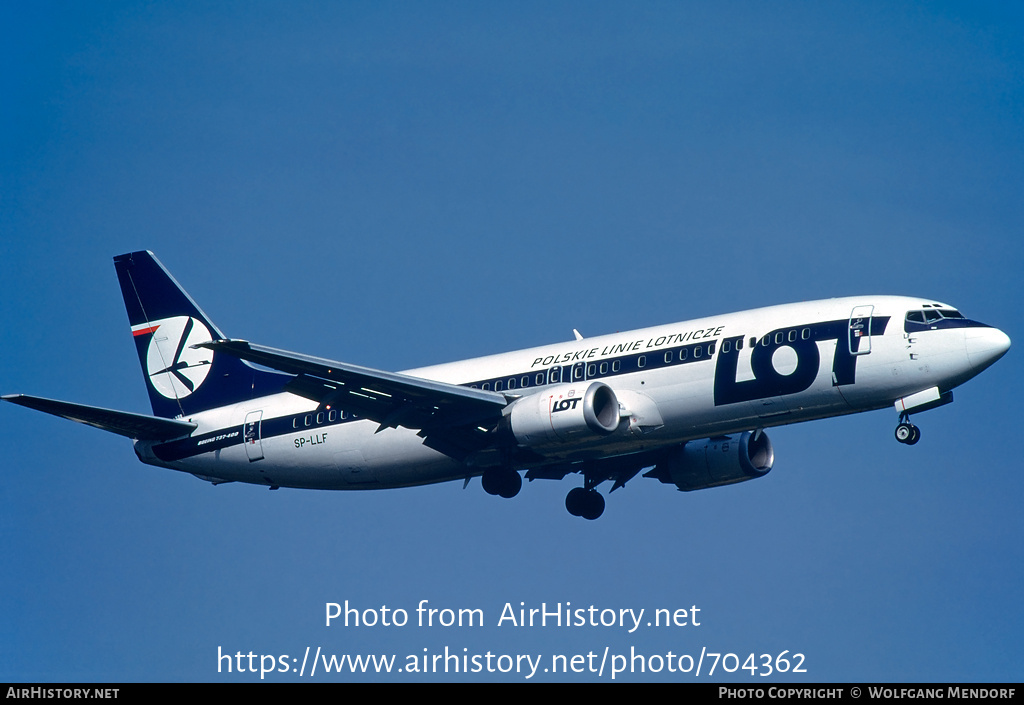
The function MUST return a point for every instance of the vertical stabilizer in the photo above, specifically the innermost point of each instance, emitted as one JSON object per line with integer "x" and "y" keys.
{"x": 165, "y": 324}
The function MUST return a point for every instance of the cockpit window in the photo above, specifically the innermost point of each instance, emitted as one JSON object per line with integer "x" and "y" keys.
{"x": 931, "y": 315}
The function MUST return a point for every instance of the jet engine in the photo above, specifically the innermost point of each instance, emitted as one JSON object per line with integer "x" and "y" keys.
{"x": 564, "y": 413}
{"x": 723, "y": 460}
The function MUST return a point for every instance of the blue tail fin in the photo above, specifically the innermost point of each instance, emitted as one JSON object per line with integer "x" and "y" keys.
{"x": 166, "y": 323}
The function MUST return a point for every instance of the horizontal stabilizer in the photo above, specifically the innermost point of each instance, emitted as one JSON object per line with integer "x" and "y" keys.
{"x": 124, "y": 423}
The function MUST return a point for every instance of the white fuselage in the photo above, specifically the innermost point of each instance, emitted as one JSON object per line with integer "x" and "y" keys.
{"x": 674, "y": 383}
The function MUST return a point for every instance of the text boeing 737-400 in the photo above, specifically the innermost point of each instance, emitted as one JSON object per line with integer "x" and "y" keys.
{"x": 688, "y": 400}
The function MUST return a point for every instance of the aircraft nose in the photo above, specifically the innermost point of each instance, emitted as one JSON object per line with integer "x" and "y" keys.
{"x": 985, "y": 346}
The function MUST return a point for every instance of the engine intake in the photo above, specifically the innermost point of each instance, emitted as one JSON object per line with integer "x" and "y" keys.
{"x": 724, "y": 460}
{"x": 564, "y": 413}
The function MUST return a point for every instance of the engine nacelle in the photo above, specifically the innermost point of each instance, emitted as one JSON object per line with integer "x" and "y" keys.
{"x": 564, "y": 413}
{"x": 723, "y": 460}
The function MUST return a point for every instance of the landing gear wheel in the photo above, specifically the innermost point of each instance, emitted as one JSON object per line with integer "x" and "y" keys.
{"x": 491, "y": 481}
{"x": 503, "y": 483}
{"x": 908, "y": 433}
{"x": 916, "y": 437}
{"x": 511, "y": 483}
{"x": 588, "y": 504}
{"x": 594, "y": 506}
{"x": 575, "y": 500}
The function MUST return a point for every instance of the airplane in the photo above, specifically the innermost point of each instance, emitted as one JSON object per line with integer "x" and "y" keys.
{"x": 689, "y": 401}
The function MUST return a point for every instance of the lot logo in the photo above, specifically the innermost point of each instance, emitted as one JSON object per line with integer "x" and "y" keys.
{"x": 787, "y": 360}
{"x": 174, "y": 367}
{"x": 564, "y": 404}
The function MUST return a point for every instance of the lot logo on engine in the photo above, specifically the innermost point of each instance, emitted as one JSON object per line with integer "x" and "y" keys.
{"x": 564, "y": 404}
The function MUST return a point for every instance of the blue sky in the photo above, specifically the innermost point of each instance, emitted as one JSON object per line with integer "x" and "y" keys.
{"x": 401, "y": 184}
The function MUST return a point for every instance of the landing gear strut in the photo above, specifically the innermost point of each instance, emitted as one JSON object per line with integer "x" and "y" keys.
{"x": 907, "y": 432}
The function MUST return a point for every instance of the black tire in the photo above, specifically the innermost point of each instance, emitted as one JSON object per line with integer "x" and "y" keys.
{"x": 575, "y": 501}
{"x": 511, "y": 483}
{"x": 915, "y": 435}
{"x": 594, "y": 506}
{"x": 491, "y": 481}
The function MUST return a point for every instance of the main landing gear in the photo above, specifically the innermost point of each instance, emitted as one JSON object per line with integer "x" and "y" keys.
{"x": 585, "y": 503}
{"x": 907, "y": 432}
{"x": 502, "y": 482}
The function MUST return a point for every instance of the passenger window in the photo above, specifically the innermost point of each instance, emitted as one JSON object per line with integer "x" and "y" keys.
{"x": 682, "y": 354}
{"x": 604, "y": 368}
{"x": 332, "y": 415}
{"x": 295, "y": 422}
{"x": 792, "y": 336}
{"x": 805, "y": 334}
{"x": 525, "y": 381}
{"x": 711, "y": 348}
{"x": 726, "y": 347}
{"x": 616, "y": 366}
{"x": 539, "y": 379}
{"x": 779, "y": 337}
{"x": 309, "y": 419}
{"x": 486, "y": 385}
{"x": 320, "y": 418}
{"x": 641, "y": 361}
{"x": 511, "y": 382}
{"x": 497, "y": 385}
{"x": 668, "y": 357}
{"x": 697, "y": 352}
{"x": 591, "y": 370}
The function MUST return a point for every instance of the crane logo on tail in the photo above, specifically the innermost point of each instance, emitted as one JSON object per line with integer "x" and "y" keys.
{"x": 175, "y": 368}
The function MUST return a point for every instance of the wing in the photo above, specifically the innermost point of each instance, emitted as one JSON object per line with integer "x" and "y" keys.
{"x": 124, "y": 423}
{"x": 454, "y": 420}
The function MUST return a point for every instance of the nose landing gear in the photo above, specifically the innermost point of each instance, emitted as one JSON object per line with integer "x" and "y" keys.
{"x": 907, "y": 432}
